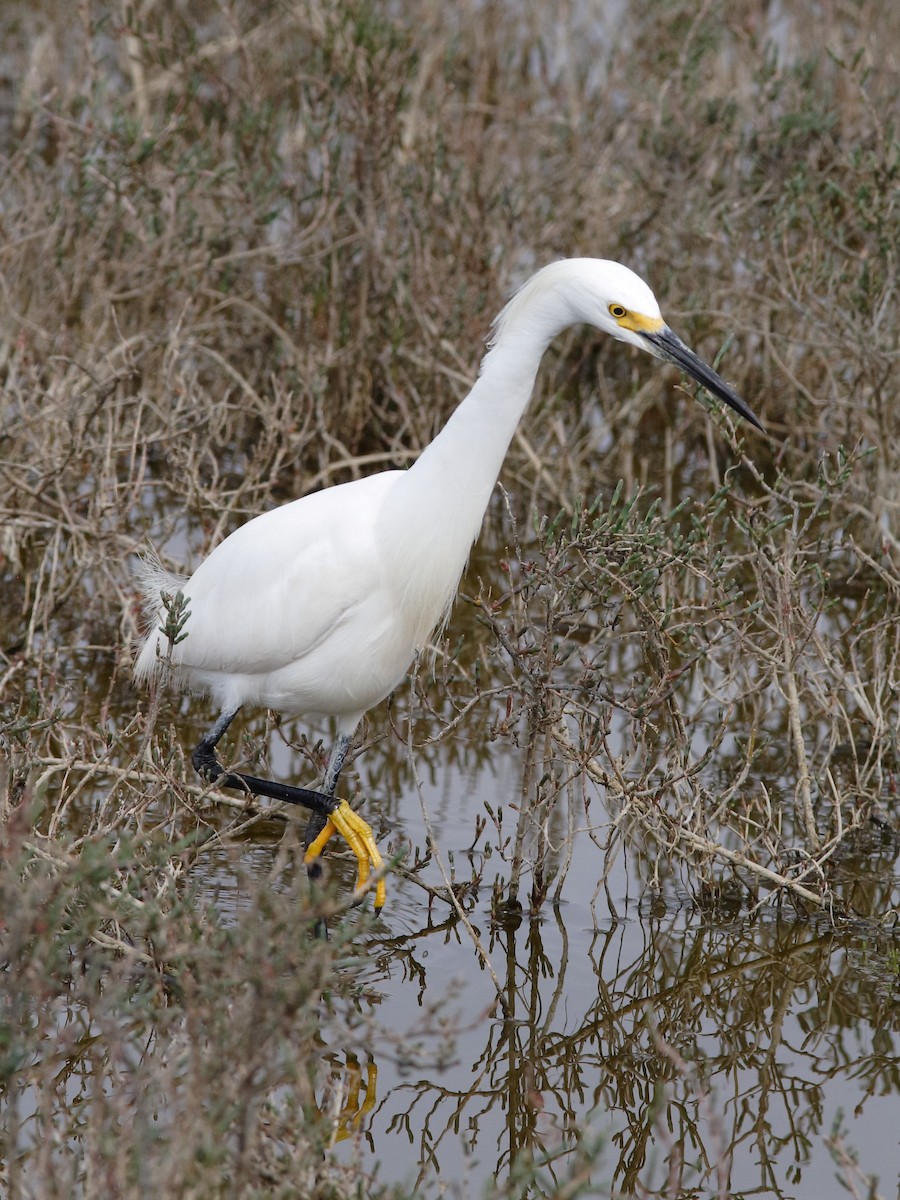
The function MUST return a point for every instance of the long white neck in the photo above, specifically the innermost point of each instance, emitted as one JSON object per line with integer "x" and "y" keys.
{"x": 437, "y": 508}
{"x": 464, "y": 460}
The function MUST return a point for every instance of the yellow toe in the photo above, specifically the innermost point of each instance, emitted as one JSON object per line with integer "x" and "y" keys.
{"x": 359, "y": 837}
{"x": 315, "y": 848}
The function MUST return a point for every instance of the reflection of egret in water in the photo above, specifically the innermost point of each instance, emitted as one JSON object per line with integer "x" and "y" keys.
{"x": 341, "y": 1102}
{"x": 346, "y": 1100}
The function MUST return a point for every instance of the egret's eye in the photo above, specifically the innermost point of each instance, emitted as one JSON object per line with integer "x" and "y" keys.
{"x": 617, "y": 311}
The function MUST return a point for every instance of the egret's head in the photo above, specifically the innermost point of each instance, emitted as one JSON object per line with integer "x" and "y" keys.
{"x": 616, "y": 300}
{"x": 611, "y": 297}
{"x": 629, "y": 311}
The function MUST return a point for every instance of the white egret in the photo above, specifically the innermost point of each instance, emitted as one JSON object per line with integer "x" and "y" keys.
{"x": 318, "y": 607}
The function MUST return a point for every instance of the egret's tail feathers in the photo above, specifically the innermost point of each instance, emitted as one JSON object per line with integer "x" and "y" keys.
{"x": 153, "y": 579}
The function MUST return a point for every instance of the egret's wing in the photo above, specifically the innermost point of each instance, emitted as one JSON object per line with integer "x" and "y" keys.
{"x": 284, "y": 582}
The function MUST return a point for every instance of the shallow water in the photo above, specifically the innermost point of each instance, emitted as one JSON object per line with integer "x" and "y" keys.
{"x": 677, "y": 1038}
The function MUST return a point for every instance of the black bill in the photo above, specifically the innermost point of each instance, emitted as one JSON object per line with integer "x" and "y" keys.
{"x": 668, "y": 346}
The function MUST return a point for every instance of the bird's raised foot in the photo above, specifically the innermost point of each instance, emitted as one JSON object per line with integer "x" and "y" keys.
{"x": 359, "y": 837}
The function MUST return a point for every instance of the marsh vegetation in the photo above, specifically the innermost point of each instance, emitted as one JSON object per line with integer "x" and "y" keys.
{"x": 247, "y": 251}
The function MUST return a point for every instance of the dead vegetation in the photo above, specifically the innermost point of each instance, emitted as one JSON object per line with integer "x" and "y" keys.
{"x": 248, "y": 251}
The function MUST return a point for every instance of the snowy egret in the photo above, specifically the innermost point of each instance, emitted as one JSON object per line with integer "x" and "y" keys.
{"x": 319, "y": 607}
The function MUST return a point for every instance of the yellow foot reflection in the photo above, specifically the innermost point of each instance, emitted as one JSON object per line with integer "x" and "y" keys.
{"x": 347, "y": 1112}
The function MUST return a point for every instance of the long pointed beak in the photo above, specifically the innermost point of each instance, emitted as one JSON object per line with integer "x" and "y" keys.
{"x": 666, "y": 345}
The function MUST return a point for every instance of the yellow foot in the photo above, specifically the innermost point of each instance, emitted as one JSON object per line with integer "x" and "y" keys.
{"x": 361, "y": 840}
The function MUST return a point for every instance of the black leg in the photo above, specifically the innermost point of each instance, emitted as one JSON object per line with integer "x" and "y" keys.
{"x": 204, "y": 757}
{"x": 316, "y": 823}
{"x": 336, "y": 760}
{"x": 321, "y": 804}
